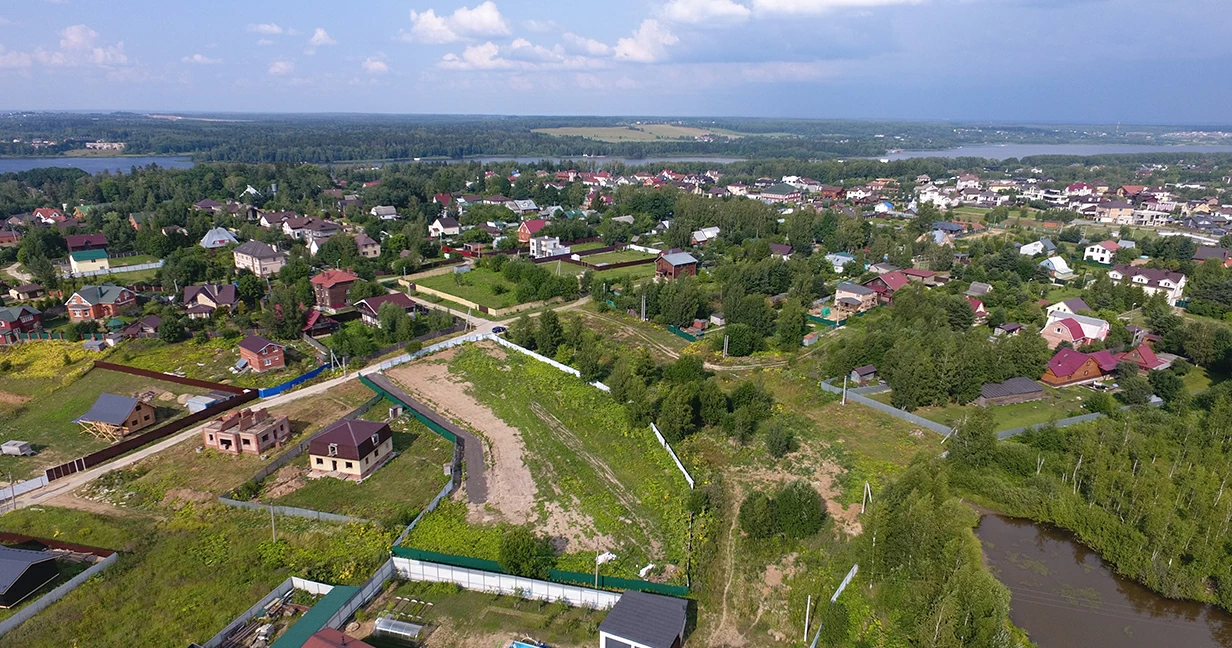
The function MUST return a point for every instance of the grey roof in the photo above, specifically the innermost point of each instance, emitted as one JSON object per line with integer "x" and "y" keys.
{"x": 104, "y": 294}
{"x": 866, "y": 370}
{"x": 948, "y": 227}
{"x": 1012, "y": 387}
{"x": 15, "y": 562}
{"x": 679, "y": 258}
{"x": 847, "y": 286}
{"x": 979, "y": 288}
{"x": 110, "y": 409}
{"x": 258, "y": 250}
{"x": 648, "y": 619}
{"x": 14, "y": 313}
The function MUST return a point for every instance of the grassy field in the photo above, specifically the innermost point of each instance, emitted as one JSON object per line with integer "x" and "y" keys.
{"x": 633, "y": 133}
{"x": 663, "y": 345}
{"x": 186, "y": 473}
{"x": 618, "y": 256}
{"x": 582, "y": 247}
{"x": 476, "y": 285}
{"x": 1061, "y": 293}
{"x": 211, "y": 361}
{"x": 396, "y": 492}
{"x": 46, "y": 421}
{"x": 38, "y": 367}
{"x": 635, "y": 273}
{"x": 138, "y": 259}
{"x": 184, "y": 575}
{"x": 1057, "y": 404}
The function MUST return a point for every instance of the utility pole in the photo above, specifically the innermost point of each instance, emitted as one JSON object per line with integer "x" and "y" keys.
{"x": 807, "y": 608}
{"x": 643, "y": 308}
{"x": 726, "y": 338}
{"x": 273, "y": 527}
{"x": 844, "y": 401}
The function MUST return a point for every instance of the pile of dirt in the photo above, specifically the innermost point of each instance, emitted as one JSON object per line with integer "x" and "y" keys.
{"x": 287, "y": 480}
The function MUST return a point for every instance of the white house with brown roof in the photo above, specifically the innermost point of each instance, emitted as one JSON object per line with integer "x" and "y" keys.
{"x": 1151, "y": 281}
{"x": 261, "y": 259}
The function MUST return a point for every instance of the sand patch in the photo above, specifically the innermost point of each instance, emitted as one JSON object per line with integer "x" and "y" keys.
{"x": 12, "y": 399}
{"x": 572, "y": 531}
{"x": 287, "y": 480}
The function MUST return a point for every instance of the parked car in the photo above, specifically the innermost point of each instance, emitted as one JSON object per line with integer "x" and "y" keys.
{"x": 499, "y": 329}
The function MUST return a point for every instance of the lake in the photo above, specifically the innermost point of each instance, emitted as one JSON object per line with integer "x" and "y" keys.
{"x": 1065, "y": 596}
{"x": 1006, "y": 151}
{"x": 94, "y": 165}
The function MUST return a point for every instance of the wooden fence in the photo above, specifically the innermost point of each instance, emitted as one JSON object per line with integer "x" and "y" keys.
{"x": 158, "y": 375}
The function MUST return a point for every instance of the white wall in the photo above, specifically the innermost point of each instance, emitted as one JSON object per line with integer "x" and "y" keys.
{"x": 481, "y": 581}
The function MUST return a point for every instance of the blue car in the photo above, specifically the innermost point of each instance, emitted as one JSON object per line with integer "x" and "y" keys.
{"x": 499, "y": 329}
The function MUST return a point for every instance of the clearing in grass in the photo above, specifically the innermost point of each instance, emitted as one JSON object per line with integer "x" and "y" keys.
{"x": 1056, "y": 404}
{"x": 481, "y": 285}
{"x": 618, "y": 256}
{"x": 213, "y": 360}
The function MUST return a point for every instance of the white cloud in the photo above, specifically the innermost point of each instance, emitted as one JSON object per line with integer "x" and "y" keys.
{"x": 14, "y": 60}
{"x": 485, "y": 20}
{"x": 269, "y": 29}
{"x": 819, "y": 6}
{"x": 200, "y": 59}
{"x": 588, "y": 46}
{"x": 540, "y": 25}
{"x": 521, "y": 54}
{"x": 705, "y": 11}
{"x": 79, "y": 46}
{"x": 477, "y": 57}
{"x": 281, "y": 67}
{"x": 648, "y": 43}
{"x": 321, "y": 37}
{"x": 374, "y": 65}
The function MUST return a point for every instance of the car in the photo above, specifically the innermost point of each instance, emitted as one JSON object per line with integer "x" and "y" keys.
{"x": 499, "y": 329}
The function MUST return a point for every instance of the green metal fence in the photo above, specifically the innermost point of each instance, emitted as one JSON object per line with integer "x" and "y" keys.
{"x": 677, "y": 330}
{"x": 419, "y": 416}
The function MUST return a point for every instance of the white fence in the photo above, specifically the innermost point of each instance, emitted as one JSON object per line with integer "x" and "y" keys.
{"x": 642, "y": 248}
{"x": 666, "y": 446}
{"x": 481, "y": 581}
{"x": 367, "y": 592}
{"x": 22, "y": 487}
{"x": 54, "y": 595}
{"x": 98, "y": 273}
{"x": 541, "y": 358}
{"x": 293, "y": 511}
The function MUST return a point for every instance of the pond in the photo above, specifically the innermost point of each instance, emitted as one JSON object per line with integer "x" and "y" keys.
{"x": 1065, "y": 596}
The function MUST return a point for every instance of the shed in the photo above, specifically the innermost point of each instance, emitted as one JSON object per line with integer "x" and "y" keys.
{"x": 1014, "y": 390}
{"x": 16, "y": 448}
{"x": 641, "y": 620}
{"x": 22, "y": 573}
{"x": 198, "y": 403}
{"x": 114, "y": 417}
{"x": 864, "y": 375}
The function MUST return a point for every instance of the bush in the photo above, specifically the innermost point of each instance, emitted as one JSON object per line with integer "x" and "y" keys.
{"x": 413, "y": 346}
{"x": 799, "y": 511}
{"x": 780, "y": 440}
{"x": 757, "y": 516}
{"x": 522, "y": 553}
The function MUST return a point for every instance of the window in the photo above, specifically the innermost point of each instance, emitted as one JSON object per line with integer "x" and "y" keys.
{"x": 348, "y": 464}
{"x": 245, "y": 442}
{"x": 320, "y": 461}
{"x": 376, "y": 439}
{"x": 264, "y": 438}
{"x": 268, "y": 362}
{"x": 333, "y": 449}
{"x": 211, "y": 437}
{"x": 147, "y": 417}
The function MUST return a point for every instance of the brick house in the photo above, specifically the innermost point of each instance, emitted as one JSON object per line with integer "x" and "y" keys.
{"x": 201, "y": 301}
{"x": 18, "y": 319}
{"x": 1075, "y": 329}
{"x": 675, "y": 264}
{"x": 246, "y": 432}
{"x": 261, "y": 259}
{"x": 887, "y": 284}
{"x": 99, "y": 302}
{"x": 368, "y": 248}
{"x": 350, "y": 450}
{"x": 370, "y": 308}
{"x": 262, "y": 354}
{"x": 852, "y": 299}
{"x": 528, "y": 229}
{"x": 331, "y": 286}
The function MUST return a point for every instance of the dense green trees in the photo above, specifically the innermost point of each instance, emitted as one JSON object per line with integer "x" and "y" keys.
{"x": 796, "y": 511}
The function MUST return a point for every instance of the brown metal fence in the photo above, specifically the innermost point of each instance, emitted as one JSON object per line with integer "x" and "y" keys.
{"x": 158, "y": 375}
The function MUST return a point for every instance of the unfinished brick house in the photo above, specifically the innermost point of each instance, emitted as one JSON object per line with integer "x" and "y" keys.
{"x": 246, "y": 432}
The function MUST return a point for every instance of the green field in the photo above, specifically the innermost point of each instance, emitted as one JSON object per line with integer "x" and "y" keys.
{"x": 47, "y": 420}
{"x": 632, "y": 133}
{"x": 635, "y": 273}
{"x": 138, "y": 259}
{"x": 184, "y": 575}
{"x": 618, "y": 256}
{"x": 476, "y": 285}
{"x": 212, "y": 361}
{"x": 1057, "y": 404}
{"x": 582, "y": 247}
{"x": 394, "y": 493}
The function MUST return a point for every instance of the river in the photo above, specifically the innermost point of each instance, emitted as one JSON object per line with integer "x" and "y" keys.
{"x": 94, "y": 165}
{"x": 1065, "y": 596}
{"x": 1006, "y": 151}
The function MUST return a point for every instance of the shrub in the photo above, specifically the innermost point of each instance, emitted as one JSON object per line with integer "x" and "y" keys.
{"x": 780, "y": 441}
{"x": 757, "y": 516}
{"x": 522, "y": 553}
{"x": 798, "y": 510}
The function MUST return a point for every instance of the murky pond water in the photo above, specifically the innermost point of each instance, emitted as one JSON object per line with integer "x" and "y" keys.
{"x": 1065, "y": 596}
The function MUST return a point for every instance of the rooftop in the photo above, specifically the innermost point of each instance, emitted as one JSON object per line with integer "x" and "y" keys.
{"x": 648, "y": 619}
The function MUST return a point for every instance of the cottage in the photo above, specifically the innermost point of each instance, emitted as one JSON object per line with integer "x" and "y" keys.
{"x": 780, "y": 193}
{"x": 1008, "y": 329}
{"x": 780, "y": 251}
{"x": 1220, "y": 255}
{"x": 18, "y": 319}
{"x": 201, "y": 301}
{"x": 262, "y": 354}
{"x": 385, "y": 212}
{"x": 218, "y": 237}
{"x": 246, "y": 432}
{"x": 1057, "y": 268}
{"x": 26, "y": 292}
{"x": 675, "y": 264}
{"x": 1070, "y": 367}
{"x": 1012, "y": 391}
{"x": 370, "y": 308}
{"x": 547, "y": 246}
{"x": 99, "y": 302}
{"x": 1071, "y": 306}
{"x": 330, "y": 288}
{"x": 24, "y": 572}
{"x": 1144, "y": 357}
{"x": 1042, "y": 246}
{"x": 978, "y": 309}
{"x": 319, "y": 324}
{"x": 862, "y": 376}
{"x": 140, "y": 219}
{"x": 261, "y": 259}
{"x": 887, "y": 284}
{"x": 641, "y": 620}
{"x": 89, "y": 262}
{"x": 853, "y": 299}
{"x": 83, "y": 242}
{"x": 207, "y": 205}
{"x": 368, "y": 248}
{"x": 704, "y": 235}
{"x": 114, "y": 417}
{"x": 839, "y": 260}
{"x": 1102, "y": 252}
{"x": 146, "y": 327}
{"x": 528, "y": 229}
{"x": 1151, "y": 281}
{"x": 978, "y": 289}
{"x": 350, "y": 450}
{"x": 1075, "y": 329}
{"x": 445, "y": 226}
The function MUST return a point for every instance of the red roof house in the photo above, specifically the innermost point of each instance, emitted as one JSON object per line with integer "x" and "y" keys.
{"x": 528, "y": 229}
{"x": 1144, "y": 357}
{"x": 331, "y": 286}
{"x": 887, "y": 284}
{"x": 262, "y": 354}
{"x": 1070, "y": 367}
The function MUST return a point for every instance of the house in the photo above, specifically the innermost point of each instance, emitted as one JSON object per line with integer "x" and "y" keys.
{"x": 780, "y": 192}
{"x": 262, "y": 354}
{"x": 523, "y": 206}
{"x": 24, "y": 572}
{"x": 319, "y": 324}
{"x": 49, "y": 215}
{"x": 1070, "y": 306}
{"x": 926, "y": 277}
{"x": 331, "y": 286}
{"x": 261, "y": 259}
{"x": 201, "y": 301}
{"x": 444, "y": 226}
{"x": 1042, "y": 246}
{"x": 83, "y": 242}
{"x": 330, "y": 638}
{"x": 528, "y": 229}
{"x": 780, "y": 251}
{"x": 863, "y": 376}
{"x": 218, "y": 237}
{"x": 1170, "y": 284}
{"x": 384, "y": 212}
{"x": 246, "y": 432}
{"x": 1008, "y": 329}
{"x": 887, "y": 284}
{"x": 1057, "y": 268}
{"x": 879, "y": 268}
{"x": 1101, "y": 252}
{"x": 368, "y": 248}
{"x": 18, "y": 319}
{"x": 140, "y": 219}
{"x": 704, "y": 235}
{"x": 1070, "y": 367}
{"x": 675, "y": 264}
{"x": 146, "y": 327}
{"x": 1010, "y": 392}
{"x": 978, "y": 289}
{"x": 9, "y": 238}
{"x": 369, "y": 308}
{"x": 1115, "y": 211}
{"x": 99, "y": 302}
{"x": 89, "y": 261}
{"x": 547, "y": 246}
{"x": 350, "y": 450}
{"x": 1075, "y": 329}
{"x": 641, "y": 620}
{"x": 115, "y": 417}
{"x": 207, "y": 205}
{"x": 977, "y": 308}
{"x": 173, "y": 230}
{"x": 319, "y": 229}
{"x": 853, "y": 299}
{"x": 26, "y": 292}
{"x": 839, "y": 261}
{"x": 968, "y": 181}
{"x": 1219, "y": 255}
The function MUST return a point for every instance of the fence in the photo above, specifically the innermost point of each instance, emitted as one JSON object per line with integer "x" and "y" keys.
{"x": 167, "y": 429}
{"x": 258, "y": 609}
{"x": 367, "y": 592}
{"x": 292, "y": 511}
{"x": 565, "y": 368}
{"x": 445, "y": 492}
{"x": 158, "y": 375}
{"x": 54, "y": 595}
{"x": 483, "y": 581}
{"x": 647, "y": 250}
{"x": 321, "y": 349}
{"x": 132, "y": 268}
{"x": 892, "y": 411}
{"x": 9, "y": 492}
{"x": 677, "y": 330}
{"x": 266, "y": 392}
{"x": 1073, "y": 420}
{"x": 666, "y": 446}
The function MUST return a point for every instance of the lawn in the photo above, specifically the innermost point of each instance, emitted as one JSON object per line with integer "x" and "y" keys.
{"x": 635, "y": 273}
{"x": 212, "y": 361}
{"x": 582, "y": 247}
{"x": 182, "y": 468}
{"x": 46, "y": 421}
{"x": 618, "y": 256}
{"x": 182, "y": 577}
{"x": 36, "y": 368}
{"x": 137, "y": 259}
{"x": 1057, "y": 404}
{"x": 132, "y": 278}
{"x": 662, "y": 344}
{"x": 476, "y": 285}
{"x": 1061, "y": 293}
{"x": 394, "y": 493}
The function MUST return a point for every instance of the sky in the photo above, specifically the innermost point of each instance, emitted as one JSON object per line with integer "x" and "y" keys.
{"x": 1093, "y": 61}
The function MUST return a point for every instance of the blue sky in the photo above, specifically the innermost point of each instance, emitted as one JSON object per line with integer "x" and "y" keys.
{"x": 1133, "y": 61}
